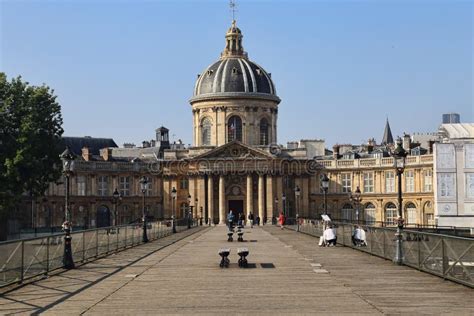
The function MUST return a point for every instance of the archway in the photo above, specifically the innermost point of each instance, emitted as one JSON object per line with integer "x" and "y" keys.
{"x": 103, "y": 216}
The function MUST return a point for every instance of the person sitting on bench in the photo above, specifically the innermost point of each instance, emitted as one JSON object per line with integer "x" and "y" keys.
{"x": 329, "y": 236}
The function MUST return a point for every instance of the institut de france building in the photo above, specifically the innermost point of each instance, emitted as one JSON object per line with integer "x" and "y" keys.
{"x": 235, "y": 163}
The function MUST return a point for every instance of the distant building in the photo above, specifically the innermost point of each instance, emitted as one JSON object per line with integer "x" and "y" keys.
{"x": 451, "y": 118}
{"x": 454, "y": 175}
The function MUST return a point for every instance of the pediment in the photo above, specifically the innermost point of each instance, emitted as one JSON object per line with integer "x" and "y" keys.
{"x": 235, "y": 150}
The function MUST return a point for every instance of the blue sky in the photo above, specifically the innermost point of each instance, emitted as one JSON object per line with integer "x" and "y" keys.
{"x": 123, "y": 68}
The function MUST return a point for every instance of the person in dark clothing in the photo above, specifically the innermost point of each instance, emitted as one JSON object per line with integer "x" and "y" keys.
{"x": 251, "y": 220}
{"x": 257, "y": 220}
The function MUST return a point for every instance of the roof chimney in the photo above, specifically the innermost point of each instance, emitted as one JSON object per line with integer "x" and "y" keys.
{"x": 335, "y": 151}
{"x": 86, "y": 154}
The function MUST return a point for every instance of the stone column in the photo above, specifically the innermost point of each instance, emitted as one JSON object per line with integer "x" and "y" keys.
{"x": 270, "y": 199}
{"x": 210, "y": 197}
{"x": 201, "y": 194}
{"x": 249, "y": 194}
{"x": 261, "y": 196}
{"x": 222, "y": 200}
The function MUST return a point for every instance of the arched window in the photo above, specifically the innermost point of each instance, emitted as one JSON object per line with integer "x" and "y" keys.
{"x": 206, "y": 131}
{"x": 369, "y": 211}
{"x": 411, "y": 213}
{"x": 346, "y": 212}
{"x": 263, "y": 131}
{"x": 390, "y": 214}
{"x": 234, "y": 128}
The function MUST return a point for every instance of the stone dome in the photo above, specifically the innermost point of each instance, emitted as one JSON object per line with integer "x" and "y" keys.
{"x": 234, "y": 75}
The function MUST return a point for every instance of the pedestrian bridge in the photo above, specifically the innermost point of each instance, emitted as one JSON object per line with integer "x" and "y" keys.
{"x": 288, "y": 274}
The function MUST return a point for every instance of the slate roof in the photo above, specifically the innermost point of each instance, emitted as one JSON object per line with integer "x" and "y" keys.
{"x": 76, "y": 144}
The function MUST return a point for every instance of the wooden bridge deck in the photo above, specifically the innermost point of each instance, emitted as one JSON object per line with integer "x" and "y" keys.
{"x": 288, "y": 274}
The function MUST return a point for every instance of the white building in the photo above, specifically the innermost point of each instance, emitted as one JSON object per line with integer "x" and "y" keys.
{"x": 454, "y": 175}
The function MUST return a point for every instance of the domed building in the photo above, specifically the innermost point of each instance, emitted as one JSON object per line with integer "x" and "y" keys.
{"x": 235, "y": 163}
{"x": 234, "y": 99}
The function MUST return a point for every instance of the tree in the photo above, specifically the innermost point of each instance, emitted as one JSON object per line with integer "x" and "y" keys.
{"x": 30, "y": 142}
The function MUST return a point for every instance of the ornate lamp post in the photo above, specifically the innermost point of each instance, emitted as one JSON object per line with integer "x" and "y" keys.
{"x": 173, "y": 196}
{"x": 67, "y": 158}
{"x": 190, "y": 211}
{"x": 283, "y": 198}
{"x": 399, "y": 155}
{"x": 297, "y": 200}
{"x": 144, "y": 187}
{"x": 117, "y": 197}
{"x": 325, "y": 185}
{"x": 356, "y": 199}
{"x": 276, "y": 208}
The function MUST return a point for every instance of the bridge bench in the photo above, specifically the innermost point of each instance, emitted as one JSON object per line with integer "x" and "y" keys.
{"x": 243, "y": 253}
{"x": 224, "y": 253}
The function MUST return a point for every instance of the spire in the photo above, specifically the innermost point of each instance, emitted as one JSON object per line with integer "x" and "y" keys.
{"x": 233, "y": 40}
{"x": 387, "y": 135}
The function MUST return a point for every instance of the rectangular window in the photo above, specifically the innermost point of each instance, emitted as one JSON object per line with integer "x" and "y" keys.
{"x": 389, "y": 182}
{"x": 124, "y": 186}
{"x": 369, "y": 182}
{"x": 102, "y": 185}
{"x": 149, "y": 186}
{"x": 410, "y": 181}
{"x": 470, "y": 185}
{"x": 183, "y": 184}
{"x": 446, "y": 184}
{"x": 346, "y": 182}
{"x": 81, "y": 185}
{"x": 428, "y": 180}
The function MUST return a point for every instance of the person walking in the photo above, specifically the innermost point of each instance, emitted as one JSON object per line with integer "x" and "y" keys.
{"x": 241, "y": 219}
{"x": 257, "y": 221}
{"x": 230, "y": 219}
{"x": 251, "y": 219}
{"x": 281, "y": 220}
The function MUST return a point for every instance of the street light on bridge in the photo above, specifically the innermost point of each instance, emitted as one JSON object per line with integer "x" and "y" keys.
{"x": 67, "y": 158}
{"x": 173, "y": 196}
{"x": 144, "y": 186}
{"x": 325, "y": 185}
{"x": 297, "y": 198}
{"x": 356, "y": 199}
{"x": 399, "y": 155}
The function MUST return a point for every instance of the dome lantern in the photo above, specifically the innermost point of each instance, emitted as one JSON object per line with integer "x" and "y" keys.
{"x": 234, "y": 47}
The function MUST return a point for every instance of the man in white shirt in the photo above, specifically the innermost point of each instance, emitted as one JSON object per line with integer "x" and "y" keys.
{"x": 329, "y": 236}
{"x": 358, "y": 236}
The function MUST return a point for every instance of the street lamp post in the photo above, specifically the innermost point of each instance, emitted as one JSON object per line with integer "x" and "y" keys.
{"x": 297, "y": 202}
{"x": 399, "y": 155}
{"x": 144, "y": 186}
{"x": 67, "y": 158}
{"x": 276, "y": 209}
{"x": 190, "y": 211}
{"x": 116, "y": 198}
{"x": 283, "y": 198}
{"x": 356, "y": 199}
{"x": 325, "y": 185}
{"x": 173, "y": 196}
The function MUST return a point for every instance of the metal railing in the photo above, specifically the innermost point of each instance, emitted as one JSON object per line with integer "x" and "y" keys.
{"x": 28, "y": 258}
{"x": 446, "y": 256}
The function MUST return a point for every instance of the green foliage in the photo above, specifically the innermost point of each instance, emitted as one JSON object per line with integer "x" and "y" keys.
{"x": 30, "y": 136}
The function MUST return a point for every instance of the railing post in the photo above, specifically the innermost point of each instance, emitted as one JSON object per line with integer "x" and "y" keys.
{"x": 419, "y": 251}
{"x": 108, "y": 241}
{"x": 117, "y": 230}
{"x": 22, "y": 261}
{"x": 47, "y": 255}
{"x": 445, "y": 259}
{"x": 96, "y": 242}
{"x": 383, "y": 234}
{"x": 83, "y": 246}
{"x": 125, "y": 244}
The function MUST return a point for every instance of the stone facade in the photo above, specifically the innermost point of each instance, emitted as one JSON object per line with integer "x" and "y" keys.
{"x": 235, "y": 163}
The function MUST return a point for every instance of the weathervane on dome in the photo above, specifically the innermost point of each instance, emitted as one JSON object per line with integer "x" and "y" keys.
{"x": 232, "y": 6}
